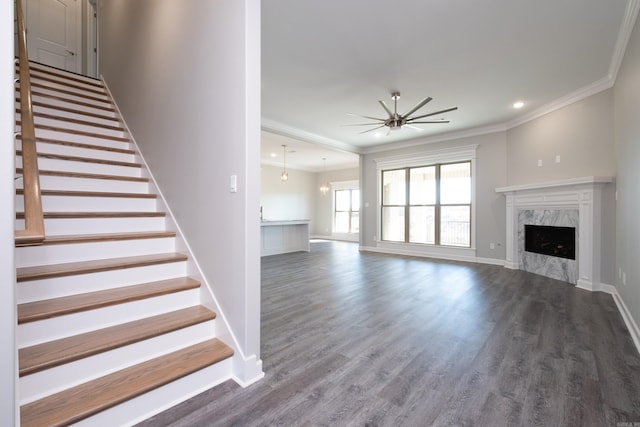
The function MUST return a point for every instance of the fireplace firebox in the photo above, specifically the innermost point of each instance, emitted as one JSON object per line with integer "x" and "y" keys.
{"x": 550, "y": 240}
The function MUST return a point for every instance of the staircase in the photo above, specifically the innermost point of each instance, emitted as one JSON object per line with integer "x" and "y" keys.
{"x": 110, "y": 328}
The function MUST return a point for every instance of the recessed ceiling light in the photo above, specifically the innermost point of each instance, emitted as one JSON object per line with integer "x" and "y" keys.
{"x": 518, "y": 104}
{"x": 274, "y": 155}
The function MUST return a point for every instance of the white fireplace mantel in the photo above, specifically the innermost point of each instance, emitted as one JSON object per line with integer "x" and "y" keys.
{"x": 584, "y": 194}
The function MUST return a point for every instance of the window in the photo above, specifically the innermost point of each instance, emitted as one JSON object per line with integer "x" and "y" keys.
{"x": 427, "y": 204}
{"x": 346, "y": 217}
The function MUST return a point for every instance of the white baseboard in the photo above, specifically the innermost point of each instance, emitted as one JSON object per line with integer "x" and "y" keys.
{"x": 632, "y": 326}
{"x": 247, "y": 371}
{"x": 448, "y": 257}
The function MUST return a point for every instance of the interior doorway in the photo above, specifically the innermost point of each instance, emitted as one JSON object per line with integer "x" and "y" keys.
{"x": 63, "y": 34}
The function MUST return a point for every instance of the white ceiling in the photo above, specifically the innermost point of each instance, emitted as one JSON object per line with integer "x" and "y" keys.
{"x": 324, "y": 59}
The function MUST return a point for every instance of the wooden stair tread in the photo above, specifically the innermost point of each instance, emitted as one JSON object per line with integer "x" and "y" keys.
{"x": 77, "y": 132}
{"x": 79, "y": 193}
{"x": 84, "y": 159}
{"x": 88, "y": 175}
{"x": 93, "y": 266}
{"x": 76, "y": 121}
{"x": 104, "y": 100}
{"x": 66, "y": 350}
{"x": 46, "y": 309}
{"x": 74, "y": 215}
{"x": 71, "y": 84}
{"x": 105, "y": 237}
{"x": 73, "y": 101}
{"x": 73, "y": 111}
{"x": 63, "y": 74}
{"x": 87, "y": 399}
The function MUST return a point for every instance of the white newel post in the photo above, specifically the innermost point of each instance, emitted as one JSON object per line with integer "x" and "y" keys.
{"x": 584, "y": 194}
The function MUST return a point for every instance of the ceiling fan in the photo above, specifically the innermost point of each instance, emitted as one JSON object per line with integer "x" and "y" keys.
{"x": 396, "y": 121}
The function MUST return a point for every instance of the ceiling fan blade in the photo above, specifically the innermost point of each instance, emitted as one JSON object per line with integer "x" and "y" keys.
{"x": 371, "y": 130}
{"x": 386, "y": 109}
{"x": 435, "y": 121}
{"x": 365, "y": 117}
{"x": 431, "y": 114}
{"x": 418, "y": 106}
{"x": 363, "y": 124}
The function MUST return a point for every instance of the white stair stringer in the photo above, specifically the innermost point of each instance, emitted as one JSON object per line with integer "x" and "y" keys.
{"x": 76, "y": 156}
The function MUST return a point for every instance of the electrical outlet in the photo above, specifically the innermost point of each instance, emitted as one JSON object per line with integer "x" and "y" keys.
{"x": 558, "y": 158}
{"x": 539, "y": 162}
{"x": 492, "y": 245}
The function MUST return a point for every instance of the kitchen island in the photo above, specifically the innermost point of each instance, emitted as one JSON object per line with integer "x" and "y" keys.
{"x": 279, "y": 237}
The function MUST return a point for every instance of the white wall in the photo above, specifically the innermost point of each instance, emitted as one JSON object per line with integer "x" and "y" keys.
{"x": 8, "y": 319}
{"x": 627, "y": 149}
{"x": 490, "y": 207}
{"x": 186, "y": 76}
{"x": 284, "y": 200}
{"x": 580, "y": 133}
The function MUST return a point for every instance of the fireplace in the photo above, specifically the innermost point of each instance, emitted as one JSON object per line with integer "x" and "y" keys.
{"x": 550, "y": 240}
{"x": 575, "y": 203}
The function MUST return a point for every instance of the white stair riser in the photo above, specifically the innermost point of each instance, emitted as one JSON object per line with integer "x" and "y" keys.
{"x": 83, "y": 139}
{"x": 63, "y": 124}
{"x": 66, "y": 127}
{"x": 44, "y": 70}
{"x": 36, "y": 290}
{"x": 92, "y": 204}
{"x": 94, "y": 100}
{"x": 33, "y": 333}
{"x": 84, "y": 167}
{"x": 53, "y": 102}
{"x": 136, "y": 410}
{"x": 109, "y": 120}
{"x": 78, "y": 88}
{"x": 90, "y": 153}
{"x": 75, "y": 79}
{"x": 62, "y": 226}
{"x": 50, "y": 182}
{"x": 41, "y": 384}
{"x": 56, "y": 254}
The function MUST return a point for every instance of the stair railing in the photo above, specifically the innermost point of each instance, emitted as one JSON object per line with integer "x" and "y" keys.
{"x": 33, "y": 232}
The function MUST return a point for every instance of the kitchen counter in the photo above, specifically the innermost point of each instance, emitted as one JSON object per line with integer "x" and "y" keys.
{"x": 283, "y": 236}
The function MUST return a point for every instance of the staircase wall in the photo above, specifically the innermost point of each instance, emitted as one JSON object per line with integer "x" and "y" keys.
{"x": 8, "y": 355}
{"x": 188, "y": 84}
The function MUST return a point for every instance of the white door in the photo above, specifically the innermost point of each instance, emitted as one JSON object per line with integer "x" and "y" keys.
{"x": 54, "y": 33}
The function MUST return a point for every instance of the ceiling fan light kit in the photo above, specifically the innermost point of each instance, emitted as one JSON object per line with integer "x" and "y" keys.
{"x": 396, "y": 121}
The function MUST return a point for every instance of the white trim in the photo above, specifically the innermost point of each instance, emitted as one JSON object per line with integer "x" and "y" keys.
{"x": 632, "y": 326}
{"x": 557, "y": 184}
{"x": 465, "y": 153}
{"x": 9, "y": 406}
{"x": 453, "y": 254}
{"x": 426, "y": 158}
{"x": 629, "y": 20}
{"x": 345, "y": 185}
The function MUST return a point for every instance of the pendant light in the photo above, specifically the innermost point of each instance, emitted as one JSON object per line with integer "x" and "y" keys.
{"x": 324, "y": 187}
{"x": 284, "y": 176}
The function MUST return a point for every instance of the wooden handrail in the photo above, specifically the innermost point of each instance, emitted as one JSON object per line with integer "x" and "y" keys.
{"x": 33, "y": 232}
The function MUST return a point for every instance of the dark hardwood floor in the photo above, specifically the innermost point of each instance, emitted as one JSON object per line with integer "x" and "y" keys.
{"x": 365, "y": 339}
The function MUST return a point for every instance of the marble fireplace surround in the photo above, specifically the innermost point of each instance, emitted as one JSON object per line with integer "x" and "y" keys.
{"x": 581, "y": 194}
